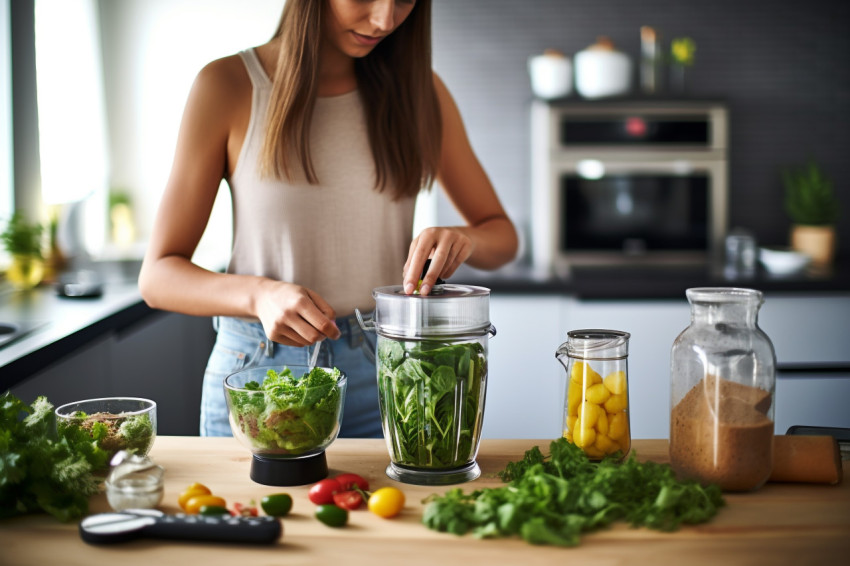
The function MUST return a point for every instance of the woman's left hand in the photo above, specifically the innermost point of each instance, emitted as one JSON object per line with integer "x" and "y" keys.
{"x": 447, "y": 247}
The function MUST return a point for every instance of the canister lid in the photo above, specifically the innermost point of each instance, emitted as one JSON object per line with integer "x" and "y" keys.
{"x": 449, "y": 310}
{"x": 598, "y": 344}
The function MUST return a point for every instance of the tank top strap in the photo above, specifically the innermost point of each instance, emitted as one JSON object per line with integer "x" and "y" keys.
{"x": 258, "y": 75}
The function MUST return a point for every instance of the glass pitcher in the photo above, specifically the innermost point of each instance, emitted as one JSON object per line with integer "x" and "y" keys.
{"x": 596, "y": 406}
{"x": 723, "y": 375}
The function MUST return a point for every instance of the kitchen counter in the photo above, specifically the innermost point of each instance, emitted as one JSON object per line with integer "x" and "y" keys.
{"x": 642, "y": 281}
{"x": 57, "y": 326}
{"x": 779, "y": 524}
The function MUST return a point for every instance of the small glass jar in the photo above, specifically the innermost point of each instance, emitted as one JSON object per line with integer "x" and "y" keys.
{"x": 596, "y": 407}
{"x": 723, "y": 376}
{"x": 135, "y": 482}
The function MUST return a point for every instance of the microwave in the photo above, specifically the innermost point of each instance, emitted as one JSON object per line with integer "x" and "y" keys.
{"x": 627, "y": 182}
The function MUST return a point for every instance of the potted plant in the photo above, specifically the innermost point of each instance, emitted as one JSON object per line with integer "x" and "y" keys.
{"x": 23, "y": 241}
{"x": 813, "y": 207}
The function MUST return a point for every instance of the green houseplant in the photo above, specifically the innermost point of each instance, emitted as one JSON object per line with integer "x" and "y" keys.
{"x": 813, "y": 207}
{"x": 23, "y": 241}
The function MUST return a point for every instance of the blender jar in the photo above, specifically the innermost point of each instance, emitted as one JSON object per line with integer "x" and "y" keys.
{"x": 596, "y": 408}
{"x": 723, "y": 375}
{"x": 431, "y": 358}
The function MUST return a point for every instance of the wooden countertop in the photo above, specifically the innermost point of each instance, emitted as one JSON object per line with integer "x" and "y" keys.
{"x": 779, "y": 524}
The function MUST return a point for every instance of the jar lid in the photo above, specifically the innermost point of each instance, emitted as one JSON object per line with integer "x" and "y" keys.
{"x": 597, "y": 344}
{"x": 449, "y": 310}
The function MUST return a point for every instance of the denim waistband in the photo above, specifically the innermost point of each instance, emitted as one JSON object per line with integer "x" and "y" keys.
{"x": 348, "y": 326}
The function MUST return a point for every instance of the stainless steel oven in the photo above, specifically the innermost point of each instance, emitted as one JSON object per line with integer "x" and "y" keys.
{"x": 627, "y": 181}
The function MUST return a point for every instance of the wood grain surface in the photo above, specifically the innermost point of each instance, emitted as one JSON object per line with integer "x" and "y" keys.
{"x": 779, "y": 524}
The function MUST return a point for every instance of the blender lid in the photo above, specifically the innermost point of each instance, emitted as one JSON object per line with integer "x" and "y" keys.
{"x": 449, "y": 310}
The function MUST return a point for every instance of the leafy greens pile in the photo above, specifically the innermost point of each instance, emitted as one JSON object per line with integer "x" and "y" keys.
{"x": 288, "y": 414}
{"x": 554, "y": 500}
{"x": 134, "y": 433}
{"x": 430, "y": 394}
{"x": 40, "y": 470}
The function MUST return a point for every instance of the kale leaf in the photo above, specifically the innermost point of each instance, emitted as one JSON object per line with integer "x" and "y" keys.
{"x": 39, "y": 470}
{"x": 553, "y": 500}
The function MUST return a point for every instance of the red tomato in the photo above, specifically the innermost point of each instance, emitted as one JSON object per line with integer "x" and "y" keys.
{"x": 242, "y": 510}
{"x": 322, "y": 493}
{"x": 348, "y": 481}
{"x": 350, "y": 500}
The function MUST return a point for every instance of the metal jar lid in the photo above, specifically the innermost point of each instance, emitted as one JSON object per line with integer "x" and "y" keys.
{"x": 448, "y": 311}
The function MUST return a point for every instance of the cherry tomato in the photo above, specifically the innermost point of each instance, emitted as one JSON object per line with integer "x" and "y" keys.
{"x": 386, "y": 502}
{"x": 242, "y": 510}
{"x": 213, "y": 510}
{"x": 322, "y": 493}
{"x": 331, "y": 515}
{"x": 348, "y": 481}
{"x": 350, "y": 500}
{"x": 277, "y": 505}
{"x": 193, "y": 506}
{"x": 192, "y": 491}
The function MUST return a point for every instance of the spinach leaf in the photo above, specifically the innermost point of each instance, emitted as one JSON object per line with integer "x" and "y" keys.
{"x": 553, "y": 500}
{"x": 431, "y": 395}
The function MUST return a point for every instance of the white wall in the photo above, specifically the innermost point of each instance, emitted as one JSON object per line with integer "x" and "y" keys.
{"x": 153, "y": 49}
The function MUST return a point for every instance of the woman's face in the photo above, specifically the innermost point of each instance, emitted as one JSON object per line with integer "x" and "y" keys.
{"x": 355, "y": 27}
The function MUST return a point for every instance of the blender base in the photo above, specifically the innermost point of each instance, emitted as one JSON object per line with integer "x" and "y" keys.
{"x": 297, "y": 471}
{"x": 433, "y": 477}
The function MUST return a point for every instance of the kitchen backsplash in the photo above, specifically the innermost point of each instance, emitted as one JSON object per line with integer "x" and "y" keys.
{"x": 782, "y": 66}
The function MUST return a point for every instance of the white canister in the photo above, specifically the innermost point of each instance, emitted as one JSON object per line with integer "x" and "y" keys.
{"x": 602, "y": 71}
{"x": 551, "y": 74}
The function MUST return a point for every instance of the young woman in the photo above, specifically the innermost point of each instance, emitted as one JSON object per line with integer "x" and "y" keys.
{"x": 325, "y": 135}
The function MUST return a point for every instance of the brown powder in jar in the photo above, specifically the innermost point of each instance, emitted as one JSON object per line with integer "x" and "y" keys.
{"x": 720, "y": 433}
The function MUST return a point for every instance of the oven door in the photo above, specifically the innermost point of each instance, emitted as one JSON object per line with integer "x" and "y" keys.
{"x": 650, "y": 211}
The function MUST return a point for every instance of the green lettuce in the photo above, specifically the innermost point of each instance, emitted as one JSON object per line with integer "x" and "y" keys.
{"x": 288, "y": 414}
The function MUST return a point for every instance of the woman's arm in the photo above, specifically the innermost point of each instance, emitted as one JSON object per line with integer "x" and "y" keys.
{"x": 489, "y": 239}
{"x": 169, "y": 280}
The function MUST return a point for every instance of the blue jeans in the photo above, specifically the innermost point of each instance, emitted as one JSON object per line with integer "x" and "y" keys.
{"x": 241, "y": 344}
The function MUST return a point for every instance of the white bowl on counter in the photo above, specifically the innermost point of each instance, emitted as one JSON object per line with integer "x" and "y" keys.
{"x": 779, "y": 260}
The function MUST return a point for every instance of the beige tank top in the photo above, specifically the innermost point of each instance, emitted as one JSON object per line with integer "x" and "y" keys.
{"x": 340, "y": 238}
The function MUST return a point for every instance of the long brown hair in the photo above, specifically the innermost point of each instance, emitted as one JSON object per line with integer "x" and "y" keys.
{"x": 396, "y": 86}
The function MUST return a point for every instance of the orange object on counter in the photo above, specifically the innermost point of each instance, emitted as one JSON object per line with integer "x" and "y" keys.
{"x": 806, "y": 459}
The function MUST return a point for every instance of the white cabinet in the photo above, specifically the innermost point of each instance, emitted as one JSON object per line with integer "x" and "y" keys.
{"x": 653, "y": 325}
{"x": 526, "y": 383}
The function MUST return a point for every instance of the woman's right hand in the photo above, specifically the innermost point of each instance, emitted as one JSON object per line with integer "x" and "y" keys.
{"x": 294, "y": 315}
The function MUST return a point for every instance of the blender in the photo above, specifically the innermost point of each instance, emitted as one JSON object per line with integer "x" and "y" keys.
{"x": 287, "y": 416}
{"x": 431, "y": 358}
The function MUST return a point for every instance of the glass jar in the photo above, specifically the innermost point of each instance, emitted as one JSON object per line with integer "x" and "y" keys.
{"x": 723, "y": 376}
{"x": 596, "y": 406}
{"x": 431, "y": 358}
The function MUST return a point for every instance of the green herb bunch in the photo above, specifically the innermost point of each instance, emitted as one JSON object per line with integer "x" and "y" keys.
{"x": 22, "y": 237}
{"x": 40, "y": 471}
{"x": 809, "y": 196}
{"x": 554, "y": 500}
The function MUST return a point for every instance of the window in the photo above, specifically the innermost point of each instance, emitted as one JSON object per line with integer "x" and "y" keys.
{"x": 6, "y": 171}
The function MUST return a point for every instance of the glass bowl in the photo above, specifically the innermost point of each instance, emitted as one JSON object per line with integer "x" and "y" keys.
{"x": 116, "y": 423}
{"x": 285, "y": 412}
